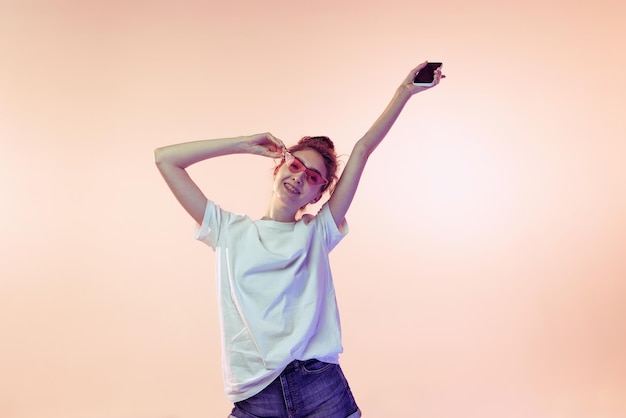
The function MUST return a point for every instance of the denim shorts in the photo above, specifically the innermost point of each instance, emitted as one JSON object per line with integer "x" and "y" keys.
{"x": 305, "y": 389}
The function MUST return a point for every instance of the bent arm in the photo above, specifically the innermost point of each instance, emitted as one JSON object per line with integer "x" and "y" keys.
{"x": 346, "y": 188}
{"x": 173, "y": 160}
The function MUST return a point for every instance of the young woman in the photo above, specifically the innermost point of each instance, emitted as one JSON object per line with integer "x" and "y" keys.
{"x": 281, "y": 337}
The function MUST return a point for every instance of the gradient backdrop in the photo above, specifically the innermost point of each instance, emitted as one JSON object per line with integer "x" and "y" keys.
{"x": 484, "y": 275}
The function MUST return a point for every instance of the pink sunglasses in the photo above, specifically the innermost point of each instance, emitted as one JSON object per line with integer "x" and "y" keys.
{"x": 296, "y": 165}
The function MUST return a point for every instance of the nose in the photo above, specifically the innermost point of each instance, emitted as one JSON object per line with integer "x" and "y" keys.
{"x": 298, "y": 177}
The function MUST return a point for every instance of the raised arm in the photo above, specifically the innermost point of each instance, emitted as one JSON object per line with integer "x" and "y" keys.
{"x": 341, "y": 198}
{"x": 173, "y": 160}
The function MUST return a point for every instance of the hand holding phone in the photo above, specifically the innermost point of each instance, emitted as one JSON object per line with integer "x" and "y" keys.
{"x": 426, "y": 76}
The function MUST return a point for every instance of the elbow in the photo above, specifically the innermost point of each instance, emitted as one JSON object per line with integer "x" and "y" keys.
{"x": 166, "y": 158}
{"x": 161, "y": 160}
{"x": 362, "y": 151}
{"x": 158, "y": 156}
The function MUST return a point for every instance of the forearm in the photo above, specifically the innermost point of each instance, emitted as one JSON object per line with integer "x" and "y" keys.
{"x": 385, "y": 121}
{"x": 188, "y": 153}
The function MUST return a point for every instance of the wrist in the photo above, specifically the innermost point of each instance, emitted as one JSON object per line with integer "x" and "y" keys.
{"x": 246, "y": 142}
{"x": 251, "y": 144}
{"x": 403, "y": 92}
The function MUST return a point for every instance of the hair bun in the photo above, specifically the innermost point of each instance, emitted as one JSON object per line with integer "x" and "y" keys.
{"x": 321, "y": 140}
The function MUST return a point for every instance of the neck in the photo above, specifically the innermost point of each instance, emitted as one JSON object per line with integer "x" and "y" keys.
{"x": 280, "y": 212}
{"x": 280, "y": 215}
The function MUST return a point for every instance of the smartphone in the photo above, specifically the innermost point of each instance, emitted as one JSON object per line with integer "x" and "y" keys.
{"x": 426, "y": 76}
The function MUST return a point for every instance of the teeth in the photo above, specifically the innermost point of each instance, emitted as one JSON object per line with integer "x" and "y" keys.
{"x": 291, "y": 188}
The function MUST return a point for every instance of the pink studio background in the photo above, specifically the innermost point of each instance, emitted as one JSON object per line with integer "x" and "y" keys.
{"x": 484, "y": 272}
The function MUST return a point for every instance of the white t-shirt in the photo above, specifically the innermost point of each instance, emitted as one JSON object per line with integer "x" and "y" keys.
{"x": 276, "y": 295}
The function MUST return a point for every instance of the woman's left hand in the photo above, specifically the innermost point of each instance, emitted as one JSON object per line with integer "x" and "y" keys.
{"x": 412, "y": 87}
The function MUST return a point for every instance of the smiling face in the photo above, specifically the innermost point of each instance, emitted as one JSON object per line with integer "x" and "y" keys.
{"x": 295, "y": 186}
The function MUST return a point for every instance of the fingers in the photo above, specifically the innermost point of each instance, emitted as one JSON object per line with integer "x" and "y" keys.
{"x": 274, "y": 147}
{"x": 277, "y": 145}
{"x": 438, "y": 76}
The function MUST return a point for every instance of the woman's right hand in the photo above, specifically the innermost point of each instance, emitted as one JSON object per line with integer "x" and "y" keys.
{"x": 267, "y": 145}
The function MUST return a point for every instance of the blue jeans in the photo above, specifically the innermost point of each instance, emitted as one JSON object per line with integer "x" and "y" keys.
{"x": 305, "y": 389}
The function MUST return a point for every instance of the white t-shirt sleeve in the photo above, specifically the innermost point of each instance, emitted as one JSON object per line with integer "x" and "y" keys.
{"x": 208, "y": 231}
{"x": 333, "y": 233}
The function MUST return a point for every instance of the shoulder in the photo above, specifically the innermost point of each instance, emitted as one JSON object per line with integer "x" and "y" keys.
{"x": 324, "y": 220}
{"x": 218, "y": 218}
